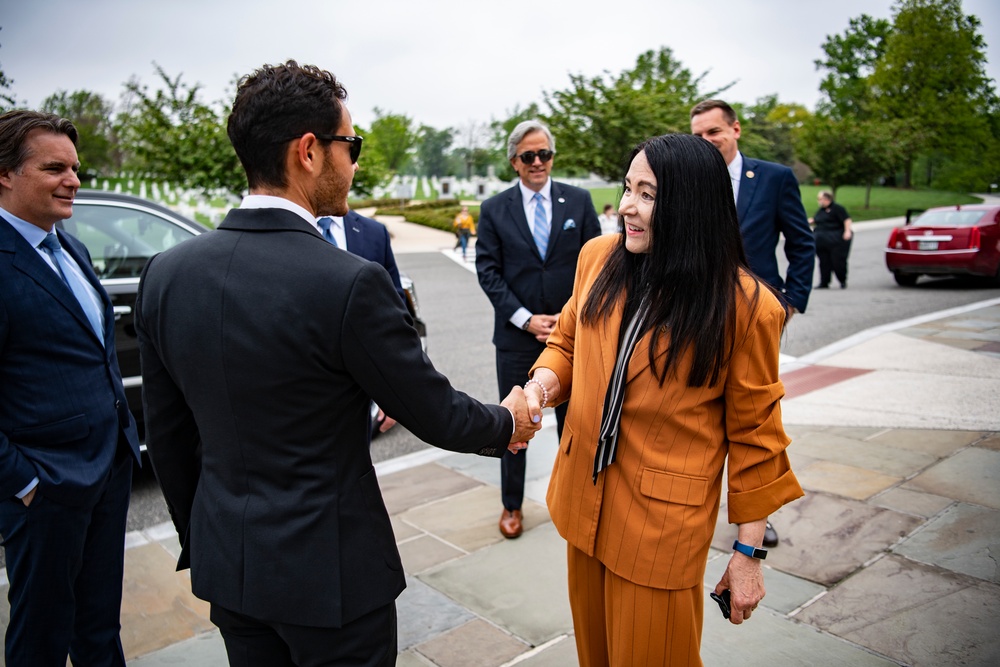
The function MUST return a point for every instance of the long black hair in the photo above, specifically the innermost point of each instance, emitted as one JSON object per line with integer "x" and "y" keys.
{"x": 691, "y": 275}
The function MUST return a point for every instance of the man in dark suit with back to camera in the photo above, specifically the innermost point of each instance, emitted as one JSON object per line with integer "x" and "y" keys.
{"x": 67, "y": 439}
{"x": 529, "y": 240}
{"x": 768, "y": 204}
{"x": 262, "y": 346}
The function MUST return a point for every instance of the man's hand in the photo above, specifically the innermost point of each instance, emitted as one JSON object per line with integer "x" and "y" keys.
{"x": 526, "y": 422}
{"x": 540, "y": 326}
{"x": 385, "y": 422}
{"x": 29, "y": 496}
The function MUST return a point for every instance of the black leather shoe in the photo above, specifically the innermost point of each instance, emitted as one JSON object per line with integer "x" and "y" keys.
{"x": 770, "y": 536}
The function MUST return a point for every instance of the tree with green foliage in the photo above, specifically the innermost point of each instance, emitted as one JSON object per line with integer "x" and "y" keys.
{"x": 850, "y": 60}
{"x": 474, "y": 148}
{"x": 394, "y": 136}
{"x": 7, "y": 101}
{"x": 432, "y": 150}
{"x": 848, "y": 151}
{"x": 769, "y": 129}
{"x": 170, "y": 135}
{"x": 373, "y": 170}
{"x": 597, "y": 120}
{"x": 932, "y": 77}
{"x": 92, "y": 116}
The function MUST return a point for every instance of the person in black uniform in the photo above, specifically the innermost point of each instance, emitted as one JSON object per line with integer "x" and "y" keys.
{"x": 832, "y": 227}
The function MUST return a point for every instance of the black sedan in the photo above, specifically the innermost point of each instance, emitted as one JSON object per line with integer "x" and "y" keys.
{"x": 122, "y": 233}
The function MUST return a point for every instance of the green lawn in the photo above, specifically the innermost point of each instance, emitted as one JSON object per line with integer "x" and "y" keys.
{"x": 885, "y": 202}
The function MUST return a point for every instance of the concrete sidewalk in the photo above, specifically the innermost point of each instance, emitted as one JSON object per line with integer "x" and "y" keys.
{"x": 890, "y": 559}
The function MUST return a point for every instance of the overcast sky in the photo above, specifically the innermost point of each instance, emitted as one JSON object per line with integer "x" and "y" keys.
{"x": 441, "y": 62}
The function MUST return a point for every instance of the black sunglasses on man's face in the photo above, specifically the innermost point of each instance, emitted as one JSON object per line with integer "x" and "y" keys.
{"x": 354, "y": 141}
{"x": 528, "y": 157}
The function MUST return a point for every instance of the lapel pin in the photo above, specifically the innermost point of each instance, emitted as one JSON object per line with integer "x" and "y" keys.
{"x": 749, "y": 174}
{"x": 561, "y": 200}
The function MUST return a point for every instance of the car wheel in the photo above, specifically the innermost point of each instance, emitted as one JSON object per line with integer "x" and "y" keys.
{"x": 905, "y": 279}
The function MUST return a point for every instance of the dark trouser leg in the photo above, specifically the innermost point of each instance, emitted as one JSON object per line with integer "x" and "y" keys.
{"x": 839, "y": 255}
{"x": 369, "y": 641}
{"x": 512, "y": 370}
{"x": 65, "y": 569}
{"x": 825, "y": 262}
{"x": 97, "y": 631}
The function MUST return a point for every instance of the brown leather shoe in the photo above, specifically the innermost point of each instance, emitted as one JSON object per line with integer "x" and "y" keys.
{"x": 510, "y": 524}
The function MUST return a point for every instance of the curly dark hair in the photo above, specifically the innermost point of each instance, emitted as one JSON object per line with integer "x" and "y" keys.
{"x": 276, "y": 104}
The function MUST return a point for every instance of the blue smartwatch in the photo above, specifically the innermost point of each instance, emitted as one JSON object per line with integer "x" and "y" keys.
{"x": 748, "y": 550}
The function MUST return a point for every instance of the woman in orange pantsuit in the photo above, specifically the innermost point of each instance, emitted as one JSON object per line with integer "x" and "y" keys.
{"x": 668, "y": 355}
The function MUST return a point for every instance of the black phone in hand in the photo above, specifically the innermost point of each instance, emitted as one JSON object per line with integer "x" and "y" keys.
{"x": 723, "y": 601}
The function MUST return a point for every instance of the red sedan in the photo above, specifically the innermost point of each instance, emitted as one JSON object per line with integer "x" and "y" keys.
{"x": 953, "y": 240}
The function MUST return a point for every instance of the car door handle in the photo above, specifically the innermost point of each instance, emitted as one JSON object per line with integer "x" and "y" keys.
{"x": 121, "y": 311}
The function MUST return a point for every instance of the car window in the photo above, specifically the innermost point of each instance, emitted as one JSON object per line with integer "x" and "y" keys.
{"x": 121, "y": 239}
{"x": 949, "y": 218}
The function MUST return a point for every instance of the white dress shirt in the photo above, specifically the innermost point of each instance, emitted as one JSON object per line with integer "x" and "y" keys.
{"x": 735, "y": 173}
{"x": 522, "y": 315}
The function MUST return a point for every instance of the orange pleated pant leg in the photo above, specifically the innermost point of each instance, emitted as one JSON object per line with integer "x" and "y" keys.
{"x": 621, "y": 624}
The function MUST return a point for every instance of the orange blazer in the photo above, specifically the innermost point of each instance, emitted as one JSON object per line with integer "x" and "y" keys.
{"x": 651, "y": 514}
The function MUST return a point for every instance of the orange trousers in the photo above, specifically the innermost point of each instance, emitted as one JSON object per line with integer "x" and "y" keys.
{"x": 621, "y": 624}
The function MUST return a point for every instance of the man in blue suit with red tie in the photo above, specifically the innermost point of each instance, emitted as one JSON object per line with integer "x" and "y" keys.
{"x": 67, "y": 439}
{"x": 768, "y": 205}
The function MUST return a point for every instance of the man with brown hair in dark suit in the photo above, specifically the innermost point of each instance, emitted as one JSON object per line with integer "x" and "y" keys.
{"x": 262, "y": 347}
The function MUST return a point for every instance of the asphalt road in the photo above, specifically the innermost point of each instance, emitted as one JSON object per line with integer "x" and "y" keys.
{"x": 459, "y": 323}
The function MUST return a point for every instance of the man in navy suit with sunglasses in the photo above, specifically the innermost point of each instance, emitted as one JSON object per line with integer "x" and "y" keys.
{"x": 528, "y": 242}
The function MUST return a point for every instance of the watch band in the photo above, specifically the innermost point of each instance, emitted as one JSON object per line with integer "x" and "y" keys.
{"x": 748, "y": 550}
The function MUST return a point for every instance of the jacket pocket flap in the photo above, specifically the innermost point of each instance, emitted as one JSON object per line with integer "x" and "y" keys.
{"x": 673, "y": 487}
{"x": 53, "y": 433}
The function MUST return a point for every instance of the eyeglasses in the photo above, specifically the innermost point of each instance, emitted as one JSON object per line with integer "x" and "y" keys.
{"x": 528, "y": 157}
{"x": 354, "y": 141}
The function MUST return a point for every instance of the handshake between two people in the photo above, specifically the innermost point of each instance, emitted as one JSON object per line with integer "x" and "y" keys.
{"x": 527, "y": 418}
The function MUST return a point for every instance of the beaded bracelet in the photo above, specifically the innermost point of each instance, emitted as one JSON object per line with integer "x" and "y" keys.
{"x": 545, "y": 392}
